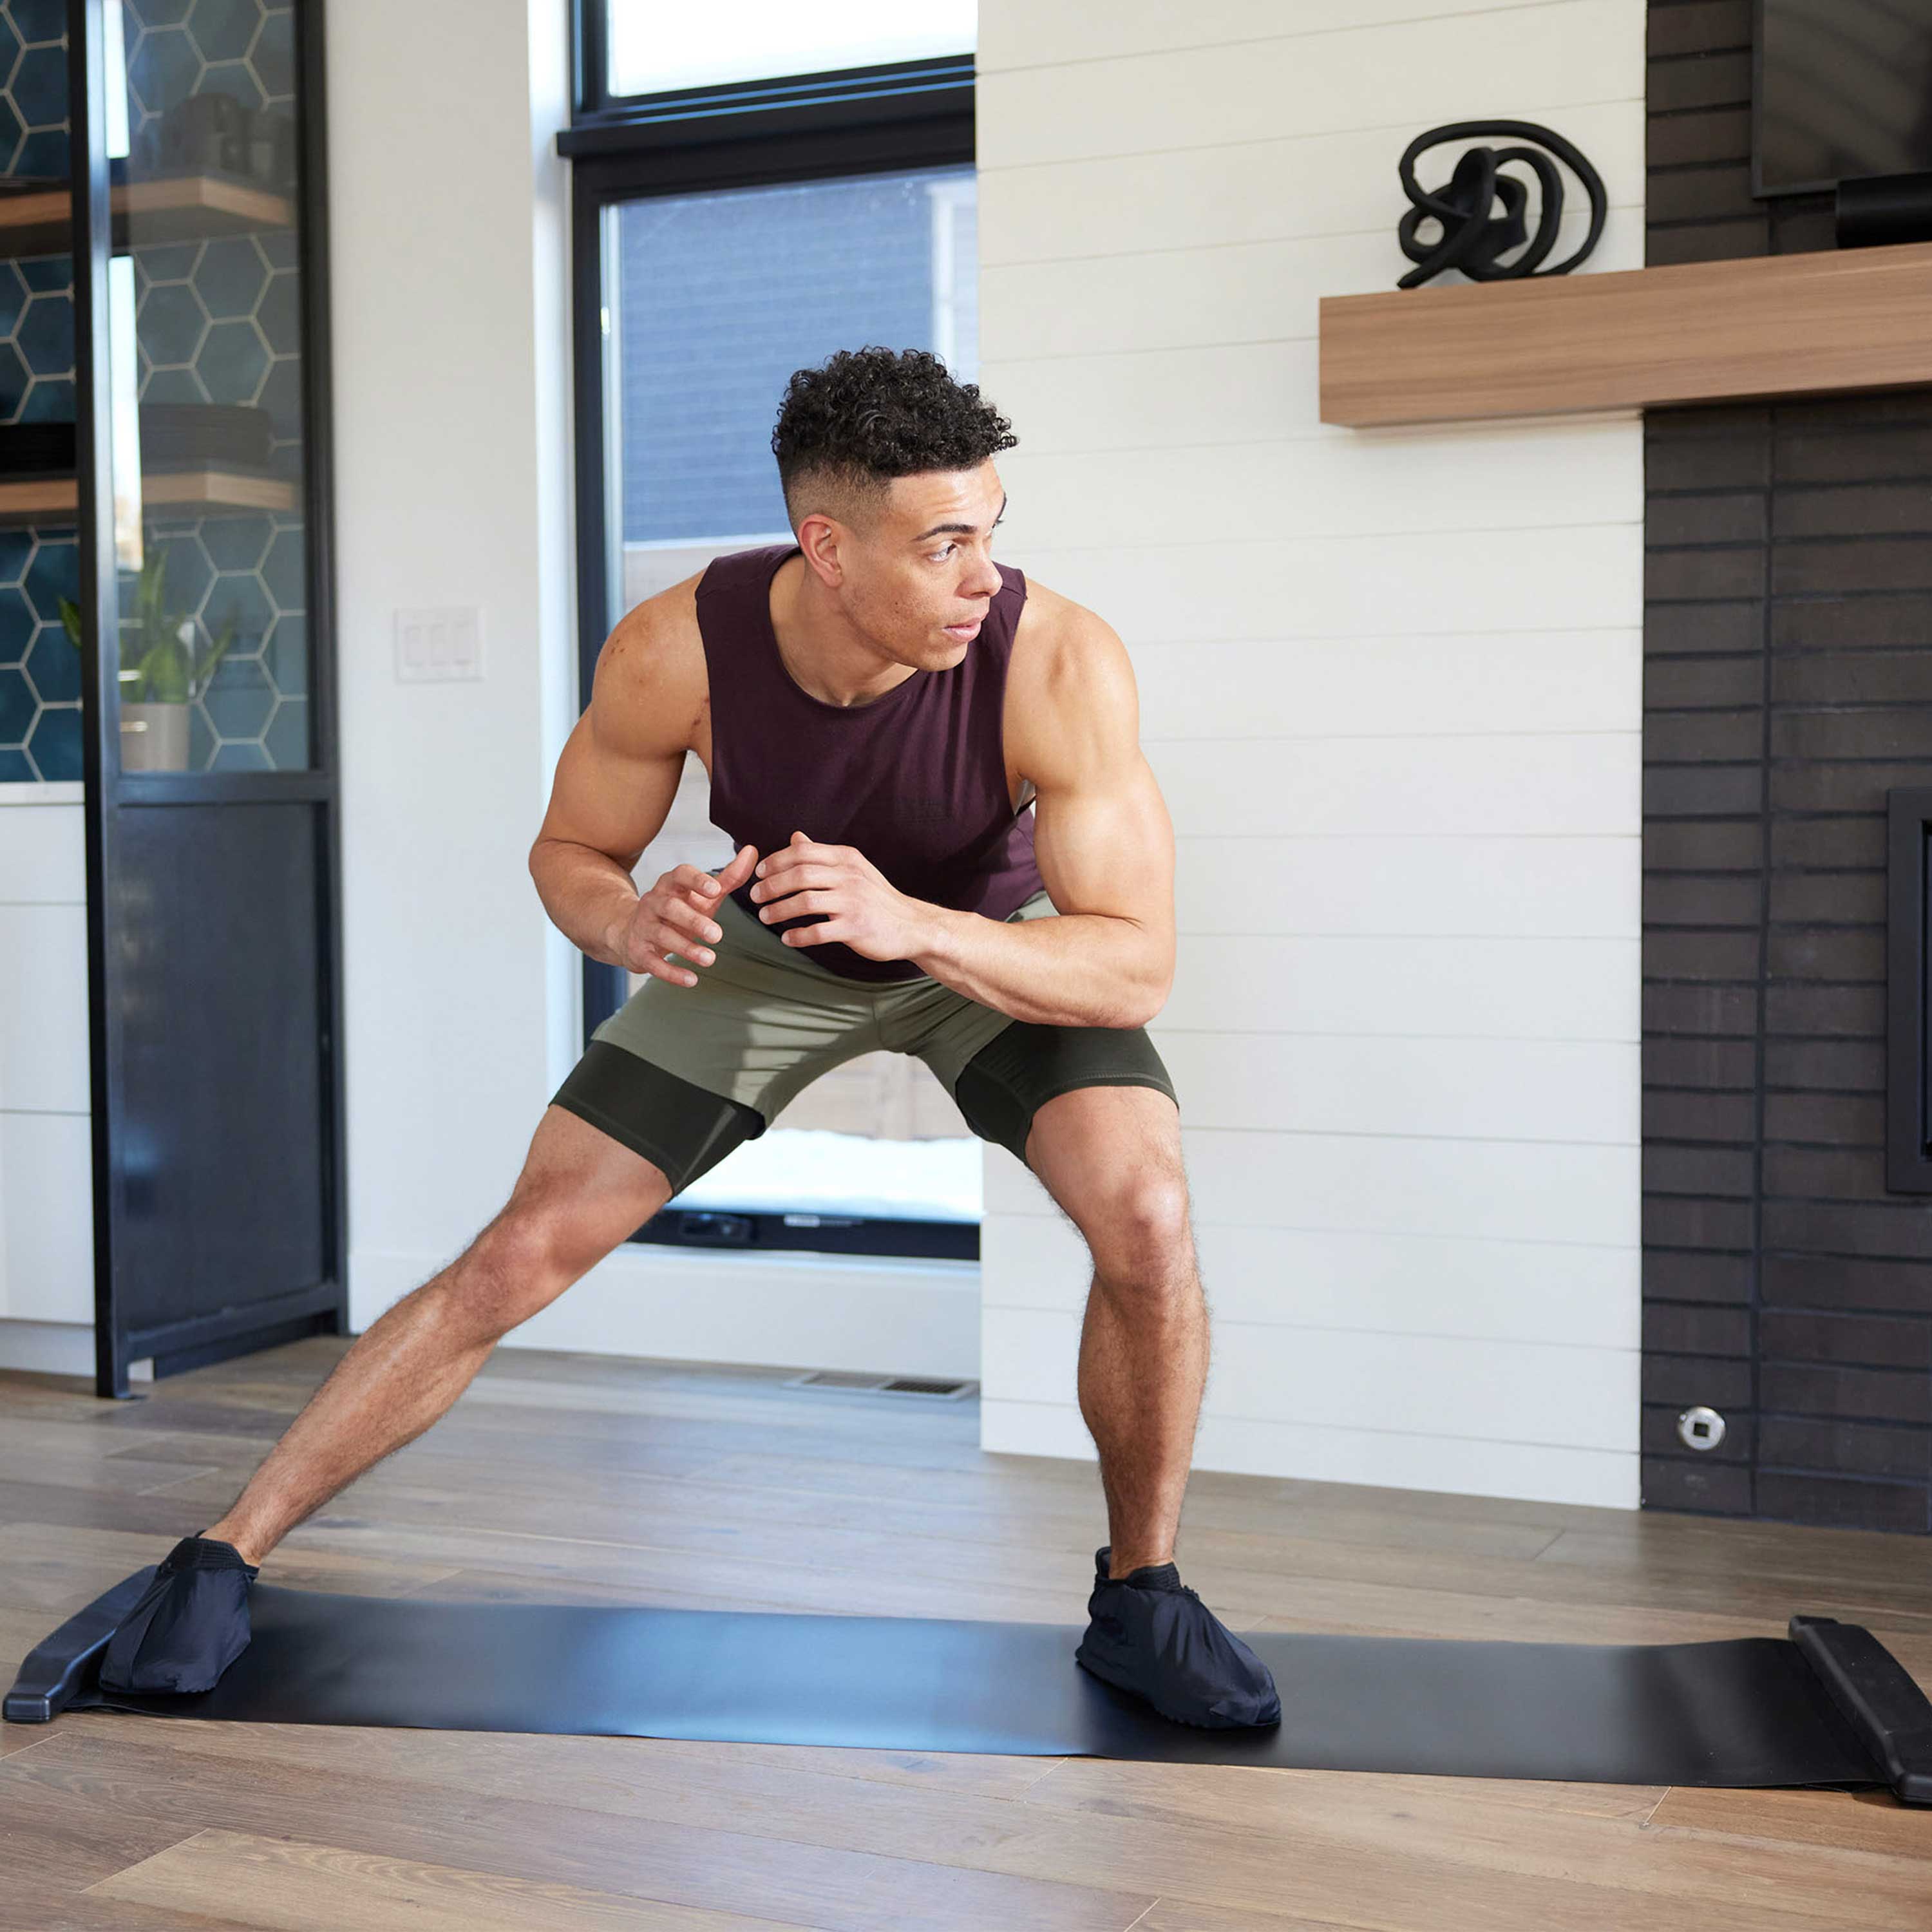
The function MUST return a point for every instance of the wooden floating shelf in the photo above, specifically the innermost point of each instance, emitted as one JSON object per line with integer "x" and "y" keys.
{"x": 175, "y": 207}
{"x": 1768, "y": 326}
{"x": 31, "y": 499}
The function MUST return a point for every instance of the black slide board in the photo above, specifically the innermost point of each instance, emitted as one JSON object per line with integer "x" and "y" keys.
{"x": 1829, "y": 1705}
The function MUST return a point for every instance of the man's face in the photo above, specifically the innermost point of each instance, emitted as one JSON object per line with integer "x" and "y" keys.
{"x": 924, "y": 566}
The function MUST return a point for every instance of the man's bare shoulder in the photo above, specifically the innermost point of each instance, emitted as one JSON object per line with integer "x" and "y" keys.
{"x": 1070, "y": 683}
{"x": 651, "y": 690}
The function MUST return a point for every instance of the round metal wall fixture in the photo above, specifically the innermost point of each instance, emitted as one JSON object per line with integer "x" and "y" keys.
{"x": 1700, "y": 1428}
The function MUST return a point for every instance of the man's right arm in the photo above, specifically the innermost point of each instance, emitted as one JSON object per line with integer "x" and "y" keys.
{"x": 616, "y": 777}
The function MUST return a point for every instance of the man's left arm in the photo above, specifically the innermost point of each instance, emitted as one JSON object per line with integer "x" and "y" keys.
{"x": 1105, "y": 845}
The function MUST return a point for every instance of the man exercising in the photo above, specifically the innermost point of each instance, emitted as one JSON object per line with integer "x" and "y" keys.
{"x": 877, "y": 705}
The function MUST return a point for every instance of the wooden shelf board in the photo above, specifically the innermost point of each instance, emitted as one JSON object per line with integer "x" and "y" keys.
{"x": 1764, "y": 327}
{"x": 174, "y": 208}
{"x": 35, "y": 499}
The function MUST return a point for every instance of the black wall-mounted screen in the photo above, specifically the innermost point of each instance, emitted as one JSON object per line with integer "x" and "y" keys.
{"x": 1843, "y": 89}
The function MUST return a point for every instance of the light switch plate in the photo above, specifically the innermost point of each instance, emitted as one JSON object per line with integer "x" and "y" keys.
{"x": 433, "y": 646}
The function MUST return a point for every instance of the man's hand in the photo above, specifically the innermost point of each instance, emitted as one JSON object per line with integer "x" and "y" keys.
{"x": 862, "y": 909}
{"x": 674, "y": 915}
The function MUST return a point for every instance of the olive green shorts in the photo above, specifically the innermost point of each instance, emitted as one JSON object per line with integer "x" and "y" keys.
{"x": 681, "y": 1074}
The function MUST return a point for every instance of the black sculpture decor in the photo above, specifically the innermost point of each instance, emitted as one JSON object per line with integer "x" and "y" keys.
{"x": 1472, "y": 238}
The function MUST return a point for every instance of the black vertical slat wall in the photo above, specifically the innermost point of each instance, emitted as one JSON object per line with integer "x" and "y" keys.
{"x": 1787, "y": 685}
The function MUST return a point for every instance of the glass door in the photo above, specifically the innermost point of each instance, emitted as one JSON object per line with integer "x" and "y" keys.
{"x": 196, "y": 488}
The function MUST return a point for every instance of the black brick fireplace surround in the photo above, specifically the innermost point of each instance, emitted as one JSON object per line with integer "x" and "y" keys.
{"x": 1787, "y": 686}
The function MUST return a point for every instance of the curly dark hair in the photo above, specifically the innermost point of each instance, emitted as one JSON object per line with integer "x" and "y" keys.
{"x": 863, "y": 416}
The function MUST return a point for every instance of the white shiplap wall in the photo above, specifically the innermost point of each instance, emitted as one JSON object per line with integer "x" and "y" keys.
{"x": 1391, "y": 684}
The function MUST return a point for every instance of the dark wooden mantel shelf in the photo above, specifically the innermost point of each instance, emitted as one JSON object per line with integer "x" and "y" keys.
{"x": 1817, "y": 324}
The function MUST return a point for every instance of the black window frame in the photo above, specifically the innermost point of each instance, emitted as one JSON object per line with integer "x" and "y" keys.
{"x": 840, "y": 122}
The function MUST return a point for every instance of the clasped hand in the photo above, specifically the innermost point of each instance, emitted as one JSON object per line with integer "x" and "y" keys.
{"x": 862, "y": 909}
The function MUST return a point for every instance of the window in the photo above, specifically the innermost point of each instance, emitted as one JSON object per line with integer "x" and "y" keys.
{"x": 748, "y": 196}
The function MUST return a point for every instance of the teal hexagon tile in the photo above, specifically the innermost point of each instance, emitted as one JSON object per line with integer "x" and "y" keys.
{"x": 37, "y": 20}
{"x": 286, "y": 739}
{"x": 18, "y": 705}
{"x": 286, "y": 654}
{"x": 280, "y": 247}
{"x": 224, "y": 30}
{"x": 47, "y": 274}
{"x": 45, "y": 336}
{"x": 274, "y": 55}
{"x": 171, "y": 322}
{"x": 54, "y": 745}
{"x": 9, "y": 41}
{"x": 50, "y": 399}
{"x": 281, "y": 396}
{"x": 39, "y": 87}
{"x": 231, "y": 362}
{"x": 162, "y": 72}
{"x": 16, "y": 767}
{"x": 238, "y": 595}
{"x": 187, "y": 573}
{"x": 172, "y": 386}
{"x": 239, "y": 698}
{"x": 43, "y": 152}
{"x": 246, "y": 756}
{"x": 53, "y": 664}
{"x": 235, "y": 77}
{"x": 230, "y": 276}
{"x": 159, "y": 13}
{"x": 167, "y": 261}
{"x": 12, "y": 131}
{"x": 16, "y": 548}
{"x": 283, "y": 570}
{"x": 201, "y": 740}
{"x": 12, "y": 297}
{"x": 279, "y": 314}
{"x": 16, "y": 625}
{"x": 236, "y": 543}
{"x": 54, "y": 573}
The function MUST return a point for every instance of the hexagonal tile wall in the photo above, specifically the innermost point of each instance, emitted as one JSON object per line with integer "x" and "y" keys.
{"x": 218, "y": 321}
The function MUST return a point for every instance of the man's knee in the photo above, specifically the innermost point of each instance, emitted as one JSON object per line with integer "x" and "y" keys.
{"x": 520, "y": 1264}
{"x": 1138, "y": 1228}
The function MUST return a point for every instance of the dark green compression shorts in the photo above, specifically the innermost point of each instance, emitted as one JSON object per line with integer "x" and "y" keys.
{"x": 681, "y": 1074}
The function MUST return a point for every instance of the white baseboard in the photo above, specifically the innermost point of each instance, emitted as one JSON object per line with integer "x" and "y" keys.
{"x": 57, "y": 1348}
{"x": 885, "y": 1315}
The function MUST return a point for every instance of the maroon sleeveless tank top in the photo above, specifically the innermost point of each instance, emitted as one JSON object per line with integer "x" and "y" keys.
{"x": 916, "y": 780}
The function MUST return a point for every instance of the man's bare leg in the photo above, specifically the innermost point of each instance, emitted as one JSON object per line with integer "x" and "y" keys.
{"x": 580, "y": 1194}
{"x": 1111, "y": 1158}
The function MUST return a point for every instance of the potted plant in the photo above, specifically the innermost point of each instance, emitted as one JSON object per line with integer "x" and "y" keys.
{"x": 167, "y": 674}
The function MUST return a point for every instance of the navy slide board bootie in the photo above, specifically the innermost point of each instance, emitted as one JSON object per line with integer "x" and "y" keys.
{"x": 1148, "y": 1633}
{"x": 189, "y": 1625}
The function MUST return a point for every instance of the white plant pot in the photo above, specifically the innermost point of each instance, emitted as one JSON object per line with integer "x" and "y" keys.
{"x": 153, "y": 737}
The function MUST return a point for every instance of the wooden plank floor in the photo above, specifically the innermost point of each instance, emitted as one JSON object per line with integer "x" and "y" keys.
{"x": 580, "y": 1478}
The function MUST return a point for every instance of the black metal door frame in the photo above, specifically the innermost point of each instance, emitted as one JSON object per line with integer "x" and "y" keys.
{"x": 312, "y": 1307}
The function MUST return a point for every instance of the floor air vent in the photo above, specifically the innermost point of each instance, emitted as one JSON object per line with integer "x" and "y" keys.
{"x": 927, "y": 1387}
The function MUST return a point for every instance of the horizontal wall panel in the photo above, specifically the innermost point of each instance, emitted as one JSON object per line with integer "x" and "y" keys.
{"x": 1490, "y": 1390}
{"x": 46, "y": 1217}
{"x": 1388, "y": 687}
{"x": 43, "y": 852}
{"x": 1128, "y": 204}
{"x": 44, "y": 1035}
{"x": 1571, "y": 784}
{"x": 1313, "y": 587}
{"x": 1510, "y": 1090}
{"x": 1512, "y": 1190}
{"x": 1571, "y": 52}
{"x": 1533, "y": 479}
{"x": 1535, "y": 886}
{"x": 1047, "y": 32}
{"x": 1247, "y": 291}
{"x": 1289, "y": 1279}
{"x": 1500, "y": 989}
